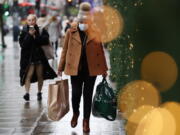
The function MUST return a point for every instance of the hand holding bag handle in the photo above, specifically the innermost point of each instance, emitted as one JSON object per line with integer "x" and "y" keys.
{"x": 59, "y": 73}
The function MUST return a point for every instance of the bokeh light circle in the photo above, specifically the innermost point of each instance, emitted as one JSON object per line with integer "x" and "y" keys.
{"x": 160, "y": 69}
{"x": 157, "y": 122}
{"x": 109, "y": 22}
{"x": 135, "y": 118}
{"x": 140, "y": 112}
{"x": 174, "y": 108}
{"x": 136, "y": 94}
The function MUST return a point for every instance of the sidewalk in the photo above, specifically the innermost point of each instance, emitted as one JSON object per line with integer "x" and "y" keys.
{"x": 16, "y": 116}
{"x": 20, "y": 118}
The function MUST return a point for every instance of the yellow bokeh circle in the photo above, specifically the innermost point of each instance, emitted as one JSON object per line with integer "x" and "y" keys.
{"x": 140, "y": 112}
{"x": 174, "y": 108}
{"x": 160, "y": 69}
{"x": 109, "y": 22}
{"x": 157, "y": 122}
{"x": 136, "y": 94}
{"x": 135, "y": 118}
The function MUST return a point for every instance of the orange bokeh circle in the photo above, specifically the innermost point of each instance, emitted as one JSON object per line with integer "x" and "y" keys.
{"x": 109, "y": 22}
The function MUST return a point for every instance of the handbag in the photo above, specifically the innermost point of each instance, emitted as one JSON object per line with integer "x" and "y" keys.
{"x": 48, "y": 51}
{"x": 104, "y": 102}
{"x": 58, "y": 100}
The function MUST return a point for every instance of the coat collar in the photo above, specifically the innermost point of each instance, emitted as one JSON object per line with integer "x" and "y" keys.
{"x": 75, "y": 33}
{"x": 76, "y": 36}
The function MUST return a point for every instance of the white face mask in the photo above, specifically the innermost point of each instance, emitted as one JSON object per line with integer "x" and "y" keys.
{"x": 83, "y": 27}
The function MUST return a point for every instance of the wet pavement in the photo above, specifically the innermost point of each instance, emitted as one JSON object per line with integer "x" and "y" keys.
{"x": 18, "y": 117}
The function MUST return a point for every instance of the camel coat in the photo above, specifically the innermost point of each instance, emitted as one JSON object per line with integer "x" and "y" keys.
{"x": 71, "y": 54}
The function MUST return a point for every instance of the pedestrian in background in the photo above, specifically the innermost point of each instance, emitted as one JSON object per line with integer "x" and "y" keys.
{"x": 83, "y": 59}
{"x": 34, "y": 65}
{"x": 54, "y": 30}
{"x": 16, "y": 27}
{"x": 69, "y": 23}
{"x": 64, "y": 24}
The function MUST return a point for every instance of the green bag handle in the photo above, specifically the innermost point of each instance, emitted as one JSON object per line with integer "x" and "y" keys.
{"x": 104, "y": 82}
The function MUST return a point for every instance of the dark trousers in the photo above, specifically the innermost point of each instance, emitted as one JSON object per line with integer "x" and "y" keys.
{"x": 82, "y": 84}
{"x": 55, "y": 45}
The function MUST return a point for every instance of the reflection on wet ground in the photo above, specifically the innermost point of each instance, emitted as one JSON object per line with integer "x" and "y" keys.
{"x": 24, "y": 118}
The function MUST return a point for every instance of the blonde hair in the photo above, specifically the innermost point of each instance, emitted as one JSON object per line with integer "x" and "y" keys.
{"x": 32, "y": 15}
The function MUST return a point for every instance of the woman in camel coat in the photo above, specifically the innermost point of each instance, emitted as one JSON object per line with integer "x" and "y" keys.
{"x": 83, "y": 59}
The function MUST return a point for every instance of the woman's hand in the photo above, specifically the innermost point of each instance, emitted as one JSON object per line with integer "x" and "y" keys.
{"x": 32, "y": 32}
{"x": 59, "y": 73}
{"x": 104, "y": 74}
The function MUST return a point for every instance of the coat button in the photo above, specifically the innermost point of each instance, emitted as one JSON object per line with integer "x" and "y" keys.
{"x": 97, "y": 54}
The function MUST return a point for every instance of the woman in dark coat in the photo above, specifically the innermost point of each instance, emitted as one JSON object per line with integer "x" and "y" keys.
{"x": 34, "y": 65}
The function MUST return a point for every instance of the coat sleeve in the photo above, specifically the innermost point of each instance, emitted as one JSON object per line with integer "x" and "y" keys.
{"x": 64, "y": 52}
{"x": 105, "y": 63}
{"x": 25, "y": 39}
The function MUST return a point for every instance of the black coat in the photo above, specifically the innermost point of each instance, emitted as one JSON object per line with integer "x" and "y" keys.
{"x": 28, "y": 46}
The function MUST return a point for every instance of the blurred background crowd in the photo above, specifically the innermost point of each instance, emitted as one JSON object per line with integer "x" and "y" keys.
{"x": 13, "y": 14}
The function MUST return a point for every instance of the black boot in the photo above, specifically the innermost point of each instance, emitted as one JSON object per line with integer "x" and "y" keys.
{"x": 39, "y": 96}
{"x": 26, "y": 97}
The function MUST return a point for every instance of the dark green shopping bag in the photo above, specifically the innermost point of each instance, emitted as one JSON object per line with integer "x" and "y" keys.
{"x": 104, "y": 102}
